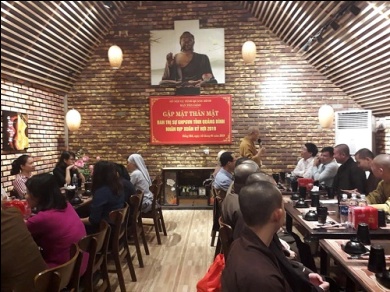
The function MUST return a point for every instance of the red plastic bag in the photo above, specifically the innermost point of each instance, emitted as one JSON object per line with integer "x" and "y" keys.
{"x": 211, "y": 282}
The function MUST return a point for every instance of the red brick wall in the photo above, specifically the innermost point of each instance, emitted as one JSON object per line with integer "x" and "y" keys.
{"x": 114, "y": 104}
{"x": 45, "y": 112}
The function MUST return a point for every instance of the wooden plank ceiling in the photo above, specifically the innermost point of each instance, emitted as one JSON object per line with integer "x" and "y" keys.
{"x": 347, "y": 41}
{"x": 49, "y": 43}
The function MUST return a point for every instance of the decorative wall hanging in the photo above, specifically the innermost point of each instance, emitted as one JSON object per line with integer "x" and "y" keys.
{"x": 15, "y": 135}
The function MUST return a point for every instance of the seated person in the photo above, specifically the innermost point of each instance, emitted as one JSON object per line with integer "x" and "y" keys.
{"x": 218, "y": 164}
{"x": 305, "y": 164}
{"x": 56, "y": 225}
{"x": 349, "y": 176}
{"x": 65, "y": 168}
{"x": 326, "y": 171}
{"x": 230, "y": 207}
{"x": 21, "y": 260}
{"x": 140, "y": 178}
{"x": 251, "y": 266}
{"x": 364, "y": 159}
{"x": 107, "y": 195}
{"x": 381, "y": 169}
{"x": 22, "y": 167}
{"x": 224, "y": 177}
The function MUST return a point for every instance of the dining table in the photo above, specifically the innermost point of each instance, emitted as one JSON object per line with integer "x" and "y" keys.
{"x": 354, "y": 267}
{"x": 332, "y": 229}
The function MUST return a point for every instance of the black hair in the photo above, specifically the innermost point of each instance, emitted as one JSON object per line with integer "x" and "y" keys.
{"x": 65, "y": 155}
{"x": 122, "y": 171}
{"x": 311, "y": 148}
{"x": 44, "y": 188}
{"x": 328, "y": 149}
{"x": 105, "y": 174}
{"x": 226, "y": 157}
{"x": 18, "y": 162}
{"x": 365, "y": 153}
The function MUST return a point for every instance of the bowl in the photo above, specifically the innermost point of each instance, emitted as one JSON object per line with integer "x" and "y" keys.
{"x": 354, "y": 247}
{"x": 384, "y": 278}
{"x": 301, "y": 203}
{"x": 311, "y": 215}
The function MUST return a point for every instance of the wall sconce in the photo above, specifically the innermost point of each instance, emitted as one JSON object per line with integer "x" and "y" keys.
{"x": 325, "y": 116}
{"x": 115, "y": 56}
{"x": 73, "y": 120}
{"x": 249, "y": 51}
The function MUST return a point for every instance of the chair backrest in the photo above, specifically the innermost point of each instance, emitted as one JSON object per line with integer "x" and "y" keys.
{"x": 225, "y": 236}
{"x": 96, "y": 245}
{"x": 57, "y": 278}
{"x": 119, "y": 226}
{"x": 156, "y": 189}
{"x": 305, "y": 255}
{"x": 135, "y": 202}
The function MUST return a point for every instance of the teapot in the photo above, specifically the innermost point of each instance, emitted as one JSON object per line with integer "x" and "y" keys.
{"x": 354, "y": 247}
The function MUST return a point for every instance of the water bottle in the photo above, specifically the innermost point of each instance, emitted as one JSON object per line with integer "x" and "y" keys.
{"x": 343, "y": 209}
{"x": 75, "y": 180}
{"x": 362, "y": 202}
{"x": 353, "y": 202}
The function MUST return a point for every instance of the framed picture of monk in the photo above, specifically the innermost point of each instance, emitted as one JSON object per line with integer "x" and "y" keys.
{"x": 187, "y": 56}
{"x": 15, "y": 136}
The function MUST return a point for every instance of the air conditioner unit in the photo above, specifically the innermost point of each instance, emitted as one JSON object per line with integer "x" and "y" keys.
{"x": 355, "y": 128}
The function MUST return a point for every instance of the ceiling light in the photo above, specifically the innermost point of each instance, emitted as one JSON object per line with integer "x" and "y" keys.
{"x": 249, "y": 51}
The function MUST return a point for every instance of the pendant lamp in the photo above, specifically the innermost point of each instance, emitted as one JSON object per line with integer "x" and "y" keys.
{"x": 73, "y": 120}
{"x": 115, "y": 56}
{"x": 325, "y": 116}
{"x": 249, "y": 51}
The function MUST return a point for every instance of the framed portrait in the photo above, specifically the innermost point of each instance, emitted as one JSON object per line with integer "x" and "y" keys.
{"x": 187, "y": 56}
{"x": 15, "y": 135}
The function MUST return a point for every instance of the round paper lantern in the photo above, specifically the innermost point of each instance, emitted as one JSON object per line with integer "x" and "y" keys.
{"x": 325, "y": 116}
{"x": 115, "y": 56}
{"x": 73, "y": 120}
{"x": 249, "y": 51}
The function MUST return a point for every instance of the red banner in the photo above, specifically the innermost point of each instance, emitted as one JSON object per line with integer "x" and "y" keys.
{"x": 204, "y": 119}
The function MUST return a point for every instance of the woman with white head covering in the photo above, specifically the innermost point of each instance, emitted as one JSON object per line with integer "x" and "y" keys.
{"x": 140, "y": 179}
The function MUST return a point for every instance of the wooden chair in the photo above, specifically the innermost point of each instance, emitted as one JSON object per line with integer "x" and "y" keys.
{"x": 305, "y": 255}
{"x": 96, "y": 245}
{"x": 135, "y": 229}
{"x": 60, "y": 277}
{"x": 218, "y": 196}
{"x": 119, "y": 247}
{"x": 225, "y": 237}
{"x": 156, "y": 212}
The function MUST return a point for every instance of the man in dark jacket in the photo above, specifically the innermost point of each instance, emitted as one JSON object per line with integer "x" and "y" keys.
{"x": 349, "y": 176}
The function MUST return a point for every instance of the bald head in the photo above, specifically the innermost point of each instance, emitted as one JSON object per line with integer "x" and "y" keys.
{"x": 341, "y": 153}
{"x": 259, "y": 176}
{"x": 258, "y": 201}
{"x": 241, "y": 173}
{"x": 381, "y": 167}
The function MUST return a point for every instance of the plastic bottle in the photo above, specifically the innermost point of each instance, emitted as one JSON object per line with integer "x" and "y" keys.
{"x": 75, "y": 180}
{"x": 343, "y": 209}
{"x": 353, "y": 202}
{"x": 362, "y": 202}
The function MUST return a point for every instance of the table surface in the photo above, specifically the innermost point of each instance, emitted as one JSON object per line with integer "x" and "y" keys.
{"x": 335, "y": 233}
{"x": 356, "y": 269}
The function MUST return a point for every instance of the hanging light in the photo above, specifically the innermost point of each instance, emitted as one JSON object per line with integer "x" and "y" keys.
{"x": 73, "y": 120}
{"x": 325, "y": 116}
{"x": 115, "y": 56}
{"x": 249, "y": 51}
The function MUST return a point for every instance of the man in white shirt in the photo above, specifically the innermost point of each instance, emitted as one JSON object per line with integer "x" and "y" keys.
{"x": 326, "y": 171}
{"x": 305, "y": 164}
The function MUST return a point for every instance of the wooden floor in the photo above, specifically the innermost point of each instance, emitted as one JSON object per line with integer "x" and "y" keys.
{"x": 180, "y": 261}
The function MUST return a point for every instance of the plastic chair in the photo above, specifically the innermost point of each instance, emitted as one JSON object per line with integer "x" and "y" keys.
{"x": 60, "y": 277}
{"x": 119, "y": 247}
{"x": 156, "y": 211}
{"x": 96, "y": 245}
{"x": 135, "y": 229}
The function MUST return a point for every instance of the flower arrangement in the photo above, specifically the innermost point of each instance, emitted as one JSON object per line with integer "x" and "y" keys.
{"x": 83, "y": 163}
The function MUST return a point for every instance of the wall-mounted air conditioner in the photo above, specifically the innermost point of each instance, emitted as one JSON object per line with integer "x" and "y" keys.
{"x": 355, "y": 128}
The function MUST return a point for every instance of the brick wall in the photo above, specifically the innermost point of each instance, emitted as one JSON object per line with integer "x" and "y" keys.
{"x": 114, "y": 104}
{"x": 45, "y": 112}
